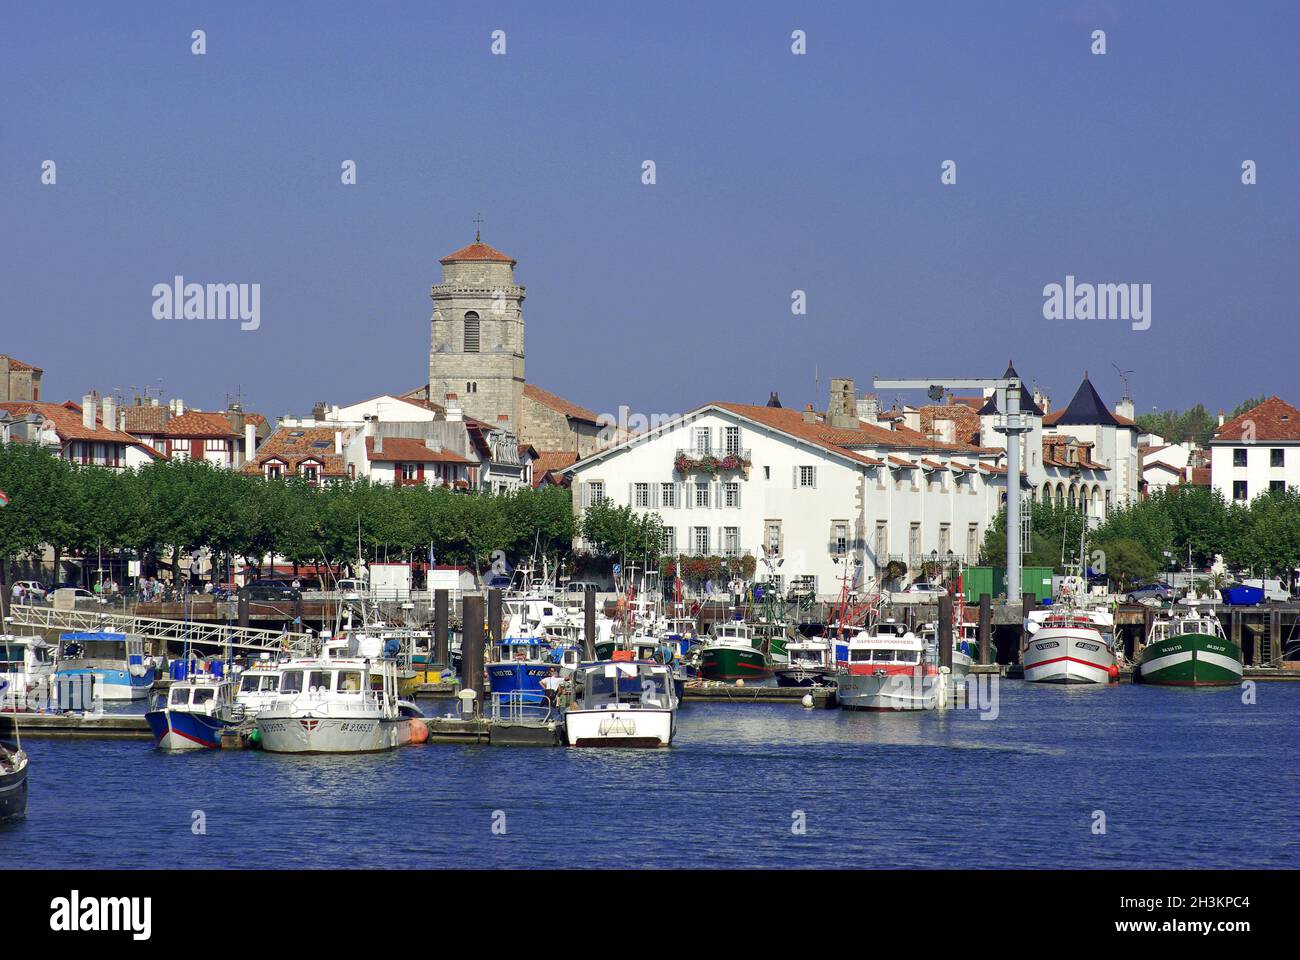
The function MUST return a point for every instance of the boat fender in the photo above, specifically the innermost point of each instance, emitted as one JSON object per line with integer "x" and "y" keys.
{"x": 1113, "y": 673}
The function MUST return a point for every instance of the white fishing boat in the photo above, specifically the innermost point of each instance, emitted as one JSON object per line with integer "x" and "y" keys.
{"x": 1070, "y": 644}
{"x": 622, "y": 704}
{"x": 811, "y": 663}
{"x": 335, "y": 704}
{"x": 965, "y": 645}
{"x": 114, "y": 662}
{"x": 887, "y": 669}
{"x": 26, "y": 669}
{"x": 259, "y": 685}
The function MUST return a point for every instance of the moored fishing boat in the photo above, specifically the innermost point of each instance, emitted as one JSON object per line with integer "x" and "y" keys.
{"x": 329, "y": 704}
{"x": 730, "y": 654}
{"x": 116, "y": 661}
{"x": 1189, "y": 649}
{"x": 887, "y": 669}
{"x": 26, "y": 667}
{"x": 13, "y": 782}
{"x": 622, "y": 704}
{"x": 811, "y": 663}
{"x": 1071, "y": 645}
{"x": 194, "y": 712}
{"x": 965, "y": 645}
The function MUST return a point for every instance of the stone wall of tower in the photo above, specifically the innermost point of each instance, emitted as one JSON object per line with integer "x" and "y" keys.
{"x": 491, "y": 381}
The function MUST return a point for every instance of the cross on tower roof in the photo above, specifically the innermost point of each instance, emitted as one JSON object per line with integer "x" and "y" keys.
{"x": 478, "y": 223}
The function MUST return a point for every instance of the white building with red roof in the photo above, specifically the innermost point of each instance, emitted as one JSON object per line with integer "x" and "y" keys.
{"x": 1257, "y": 451}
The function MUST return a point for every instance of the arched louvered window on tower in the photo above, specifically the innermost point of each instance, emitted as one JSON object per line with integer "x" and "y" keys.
{"x": 471, "y": 332}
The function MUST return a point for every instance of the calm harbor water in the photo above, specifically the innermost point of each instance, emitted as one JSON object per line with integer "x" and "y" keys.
{"x": 1184, "y": 778}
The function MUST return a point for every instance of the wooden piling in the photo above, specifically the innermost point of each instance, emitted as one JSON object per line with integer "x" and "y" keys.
{"x": 944, "y": 632}
{"x": 471, "y": 645}
{"x": 1234, "y": 632}
{"x": 589, "y": 625}
{"x": 441, "y": 646}
{"x": 243, "y": 606}
{"x": 494, "y": 615}
{"x": 986, "y": 626}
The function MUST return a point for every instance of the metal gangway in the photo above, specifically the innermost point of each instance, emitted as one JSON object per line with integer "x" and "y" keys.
{"x": 178, "y": 632}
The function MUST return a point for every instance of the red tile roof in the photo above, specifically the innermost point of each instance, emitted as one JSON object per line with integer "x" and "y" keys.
{"x": 16, "y": 364}
{"x": 411, "y": 450}
{"x": 965, "y": 420}
{"x": 549, "y": 463}
{"x": 198, "y": 423}
{"x": 477, "y": 251}
{"x": 146, "y": 419}
{"x": 558, "y": 404}
{"x": 293, "y": 445}
{"x": 1274, "y": 419}
{"x": 66, "y": 418}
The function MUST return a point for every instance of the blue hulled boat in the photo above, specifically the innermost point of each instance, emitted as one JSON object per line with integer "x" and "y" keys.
{"x": 193, "y": 714}
{"x": 116, "y": 661}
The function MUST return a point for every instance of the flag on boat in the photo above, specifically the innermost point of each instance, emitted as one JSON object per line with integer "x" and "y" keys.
{"x": 4, "y": 499}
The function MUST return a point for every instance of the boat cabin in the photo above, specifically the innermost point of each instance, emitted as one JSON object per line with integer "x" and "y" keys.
{"x": 1178, "y": 626}
{"x": 207, "y": 695}
{"x": 608, "y": 686}
{"x": 102, "y": 647}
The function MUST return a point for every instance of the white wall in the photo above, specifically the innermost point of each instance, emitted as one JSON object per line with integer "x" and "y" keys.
{"x": 1258, "y": 472}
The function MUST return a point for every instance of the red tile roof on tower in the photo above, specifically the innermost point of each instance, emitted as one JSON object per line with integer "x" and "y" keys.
{"x": 558, "y": 404}
{"x": 478, "y": 250}
{"x": 1274, "y": 419}
{"x": 16, "y": 364}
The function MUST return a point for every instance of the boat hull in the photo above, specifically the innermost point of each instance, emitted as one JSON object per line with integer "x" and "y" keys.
{"x": 633, "y": 727}
{"x": 114, "y": 684}
{"x": 1069, "y": 656}
{"x": 13, "y": 794}
{"x": 733, "y": 663}
{"x": 1191, "y": 660}
{"x": 803, "y": 676}
{"x": 891, "y": 690}
{"x": 511, "y": 676}
{"x": 308, "y": 734}
{"x": 179, "y": 730}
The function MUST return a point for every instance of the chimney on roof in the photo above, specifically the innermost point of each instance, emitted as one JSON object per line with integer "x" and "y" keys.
{"x": 1220, "y": 418}
{"x": 1124, "y": 408}
{"x": 868, "y": 407}
{"x": 109, "y": 408}
{"x": 842, "y": 410}
{"x": 809, "y": 414}
{"x": 379, "y": 443}
{"x": 250, "y": 441}
{"x": 88, "y": 411}
{"x": 235, "y": 417}
{"x": 773, "y": 400}
{"x": 177, "y": 407}
{"x": 1042, "y": 401}
{"x": 338, "y": 441}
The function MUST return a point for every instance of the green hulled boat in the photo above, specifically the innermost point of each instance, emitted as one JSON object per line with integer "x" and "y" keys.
{"x": 1190, "y": 650}
{"x": 730, "y": 655}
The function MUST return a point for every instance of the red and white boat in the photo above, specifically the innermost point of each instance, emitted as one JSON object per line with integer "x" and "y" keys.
{"x": 1070, "y": 645}
{"x": 887, "y": 669}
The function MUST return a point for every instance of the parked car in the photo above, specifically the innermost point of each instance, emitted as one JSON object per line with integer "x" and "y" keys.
{"x": 81, "y": 595}
{"x": 34, "y": 590}
{"x": 1160, "y": 592}
{"x": 924, "y": 588}
{"x": 270, "y": 590}
{"x": 352, "y": 586}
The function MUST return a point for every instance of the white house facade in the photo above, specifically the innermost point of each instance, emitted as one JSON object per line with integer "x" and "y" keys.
{"x": 1257, "y": 451}
{"x": 805, "y": 493}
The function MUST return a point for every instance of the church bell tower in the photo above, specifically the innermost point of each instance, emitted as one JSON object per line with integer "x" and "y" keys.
{"x": 477, "y": 336}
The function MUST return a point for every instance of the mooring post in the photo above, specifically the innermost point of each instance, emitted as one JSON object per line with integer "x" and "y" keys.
{"x": 944, "y": 632}
{"x": 494, "y": 615}
{"x": 1028, "y": 604}
{"x": 471, "y": 644}
{"x": 1234, "y": 627}
{"x": 441, "y": 645}
{"x": 986, "y": 626}
{"x": 1274, "y": 648}
{"x": 589, "y": 625}
{"x": 243, "y": 606}
{"x": 1148, "y": 619}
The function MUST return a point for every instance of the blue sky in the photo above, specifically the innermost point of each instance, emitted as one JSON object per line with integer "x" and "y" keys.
{"x": 775, "y": 172}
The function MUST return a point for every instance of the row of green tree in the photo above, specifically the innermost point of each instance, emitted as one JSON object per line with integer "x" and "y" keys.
{"x": 171, "y": 508}
{"x": 1195, "y": 424}
{"x": 1178, "y": 528}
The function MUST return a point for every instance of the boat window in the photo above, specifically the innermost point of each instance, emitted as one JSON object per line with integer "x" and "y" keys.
{"x": 318, "y": 679}
{"x": 291, "y": 681}
{"x": 885, "y": 656}
{"x": 908, "y": 656}
{"x": 203, "y": 695}
{"x": 859, "y": 656}
{"x": 180, "y": 696}
{"x": 248, "y": 684}
{"x": 349, "y": 681}
{"x": 103, "y": 649}
{"x": 270, "y": 683}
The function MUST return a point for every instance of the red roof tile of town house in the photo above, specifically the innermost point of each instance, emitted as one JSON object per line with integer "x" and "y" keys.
{"x": 197, "y": 423}
{"x": 1274, "y": 419}
{"x": 558, "y": 404}
{"x": 478, "y": 250}
{"x": 411, "y": 450}
{"x": 549, "y": 463}
{"x": 145, "y": 418}
{"x": 66, "y": 418}
{"x": 292, "y": 445}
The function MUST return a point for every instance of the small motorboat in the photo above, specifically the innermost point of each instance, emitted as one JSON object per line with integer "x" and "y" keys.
{"x": 13, "y": 782}
{"x": 606, "y": 713}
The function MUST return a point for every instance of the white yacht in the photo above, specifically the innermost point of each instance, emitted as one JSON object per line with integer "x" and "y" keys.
{"x": 1070, "y": 645}
{"x": 26, "y": 669}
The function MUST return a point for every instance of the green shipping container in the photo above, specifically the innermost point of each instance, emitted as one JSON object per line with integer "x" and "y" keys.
{"x": 992, "y": 580}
